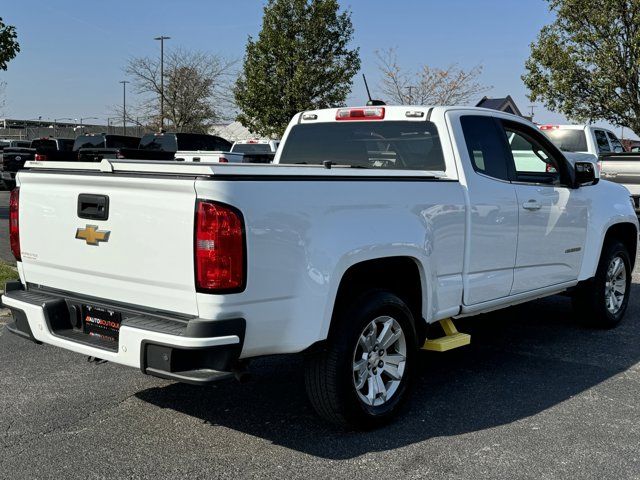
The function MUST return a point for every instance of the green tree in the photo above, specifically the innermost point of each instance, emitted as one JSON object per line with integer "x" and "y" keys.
{"x": 586, "y": 64}
{"x": 300, "y": 61}
{"x": 9, "y": 46}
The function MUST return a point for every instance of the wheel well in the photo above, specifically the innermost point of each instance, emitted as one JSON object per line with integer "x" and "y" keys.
{"x": 399, "y": 275}
{"x": 627, "y": 234}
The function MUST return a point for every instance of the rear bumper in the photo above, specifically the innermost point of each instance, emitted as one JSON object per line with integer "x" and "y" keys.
{"x": 187, "y": 350}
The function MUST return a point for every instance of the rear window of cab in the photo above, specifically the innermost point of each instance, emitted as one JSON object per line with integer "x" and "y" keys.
{"x": 398, "y": 145}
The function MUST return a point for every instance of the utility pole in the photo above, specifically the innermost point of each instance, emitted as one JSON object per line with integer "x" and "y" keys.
{"x": 124, "y": 106}
{"x": 162, "y": 38}
{"x": 410, "y": 88}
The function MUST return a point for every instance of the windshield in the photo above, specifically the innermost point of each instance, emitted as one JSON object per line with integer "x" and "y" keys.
{"x": 159, "y": 141}
{"x": 44, "y": 144}
{"x": 193, "y": 141}
{"x": 568, "y": 140}
{"x": 121, "y": 141}
{"x": 89, "y": 141}
{"x": 251, "y": 148}
{"x": 404, "y": 145}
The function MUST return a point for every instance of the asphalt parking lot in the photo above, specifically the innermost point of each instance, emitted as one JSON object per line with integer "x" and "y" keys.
{"x": 534, "y": 396}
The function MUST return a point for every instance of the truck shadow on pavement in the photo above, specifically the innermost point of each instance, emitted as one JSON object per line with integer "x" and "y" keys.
{"x": 521, "y": 361}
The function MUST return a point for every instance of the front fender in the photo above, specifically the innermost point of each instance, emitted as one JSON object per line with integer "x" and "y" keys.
{"x": 610, "y": 206}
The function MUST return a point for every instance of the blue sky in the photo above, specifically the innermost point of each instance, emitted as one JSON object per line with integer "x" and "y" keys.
{"x": 73, "y": 52}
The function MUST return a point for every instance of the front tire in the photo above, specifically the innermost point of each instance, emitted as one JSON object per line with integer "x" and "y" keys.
{"x": 602, "y": 301}
{"x": 363, "y": 376}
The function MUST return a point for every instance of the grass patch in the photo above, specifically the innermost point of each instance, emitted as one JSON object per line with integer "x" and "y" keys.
{"x": 7, "y": 272}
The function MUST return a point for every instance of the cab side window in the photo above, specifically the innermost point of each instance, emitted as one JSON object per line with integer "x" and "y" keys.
{"x": 485, "y": 145}
{"x": 534, "y": 159}
{"x": 601, "y": 141}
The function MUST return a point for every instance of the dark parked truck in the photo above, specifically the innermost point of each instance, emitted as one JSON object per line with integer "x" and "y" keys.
{"x": 188, "y": 147}
{"x": 41, "y": 149}
{"x": 95, "y": 147}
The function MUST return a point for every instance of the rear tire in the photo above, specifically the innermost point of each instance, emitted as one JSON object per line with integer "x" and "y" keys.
{"x": 602, "y": 301}
{"x": 363, "y": 376}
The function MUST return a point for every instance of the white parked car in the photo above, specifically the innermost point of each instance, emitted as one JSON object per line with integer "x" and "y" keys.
{"x": 255, "y": 146}
{"x": 256, "y": 151}
{"x": 373, "y": 223}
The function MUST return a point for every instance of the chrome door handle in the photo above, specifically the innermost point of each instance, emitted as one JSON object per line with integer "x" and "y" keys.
{"x": 531, "y": 205}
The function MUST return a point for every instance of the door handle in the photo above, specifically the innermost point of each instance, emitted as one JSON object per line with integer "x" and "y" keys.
{"x": 531, "y": 205}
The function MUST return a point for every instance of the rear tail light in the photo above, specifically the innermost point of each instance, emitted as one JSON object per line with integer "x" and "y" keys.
{"x": 368, "y": 113}
{"x": 548, "y": 127}
{"x": 599, "y": 167}
{"x": 223, "y": 160}
{"x": 40, "y": 157}
{"x": 219, "y": 248}
{"x": 14, "y": 225}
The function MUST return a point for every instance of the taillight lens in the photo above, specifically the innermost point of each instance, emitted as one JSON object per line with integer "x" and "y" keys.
{"x": 223, "y": 160}
{"x": 40, "y": 157}
{"x": 14, "y": 225}
{"x": 219, "y": 248}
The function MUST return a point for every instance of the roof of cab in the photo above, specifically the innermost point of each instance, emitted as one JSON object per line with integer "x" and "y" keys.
{"x": 393, "y": 112}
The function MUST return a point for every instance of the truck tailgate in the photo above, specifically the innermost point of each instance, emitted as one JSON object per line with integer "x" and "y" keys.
{"x": 147, "y": 259}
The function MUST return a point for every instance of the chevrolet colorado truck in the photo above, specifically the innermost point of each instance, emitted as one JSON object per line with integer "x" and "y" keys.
{"x": 375, "y": 228}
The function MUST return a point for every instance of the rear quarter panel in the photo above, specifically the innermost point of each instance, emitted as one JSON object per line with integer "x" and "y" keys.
{"x": 303, "y": 235}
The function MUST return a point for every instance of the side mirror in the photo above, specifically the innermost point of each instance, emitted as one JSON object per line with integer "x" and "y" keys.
{"x": 586, "y": 174}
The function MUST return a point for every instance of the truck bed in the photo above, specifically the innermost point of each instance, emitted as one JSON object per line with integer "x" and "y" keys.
{"x": 227, "y": 169}
{"x": 623, "y": 168}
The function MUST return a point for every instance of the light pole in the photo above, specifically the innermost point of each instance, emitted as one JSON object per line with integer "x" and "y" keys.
{"x": 124, "y": 106}
{"x": 410, "y": 88}
{"x": 162, "y": 38}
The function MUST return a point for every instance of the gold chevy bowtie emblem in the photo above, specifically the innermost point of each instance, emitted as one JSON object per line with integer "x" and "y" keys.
{"x": 92, "y": 235}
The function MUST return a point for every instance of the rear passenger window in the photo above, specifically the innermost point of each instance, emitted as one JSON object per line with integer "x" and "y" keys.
{"x": 486, "y": 146}
{"x": 601, "y": 140}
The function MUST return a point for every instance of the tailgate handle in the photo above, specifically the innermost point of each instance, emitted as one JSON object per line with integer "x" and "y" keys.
{"x": 93, "y": 207}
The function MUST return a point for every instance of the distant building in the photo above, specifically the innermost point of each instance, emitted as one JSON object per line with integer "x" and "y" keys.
{"x": 505, "y": 104}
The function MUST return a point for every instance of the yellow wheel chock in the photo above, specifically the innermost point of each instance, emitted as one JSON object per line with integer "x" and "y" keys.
{"x": 452, "y": 338}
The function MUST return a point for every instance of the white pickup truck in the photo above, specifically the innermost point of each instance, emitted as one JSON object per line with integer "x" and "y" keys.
{"x": 583, "y": 139}
{"x": 614, "y": 164}
{"x": 372, "y": 224}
